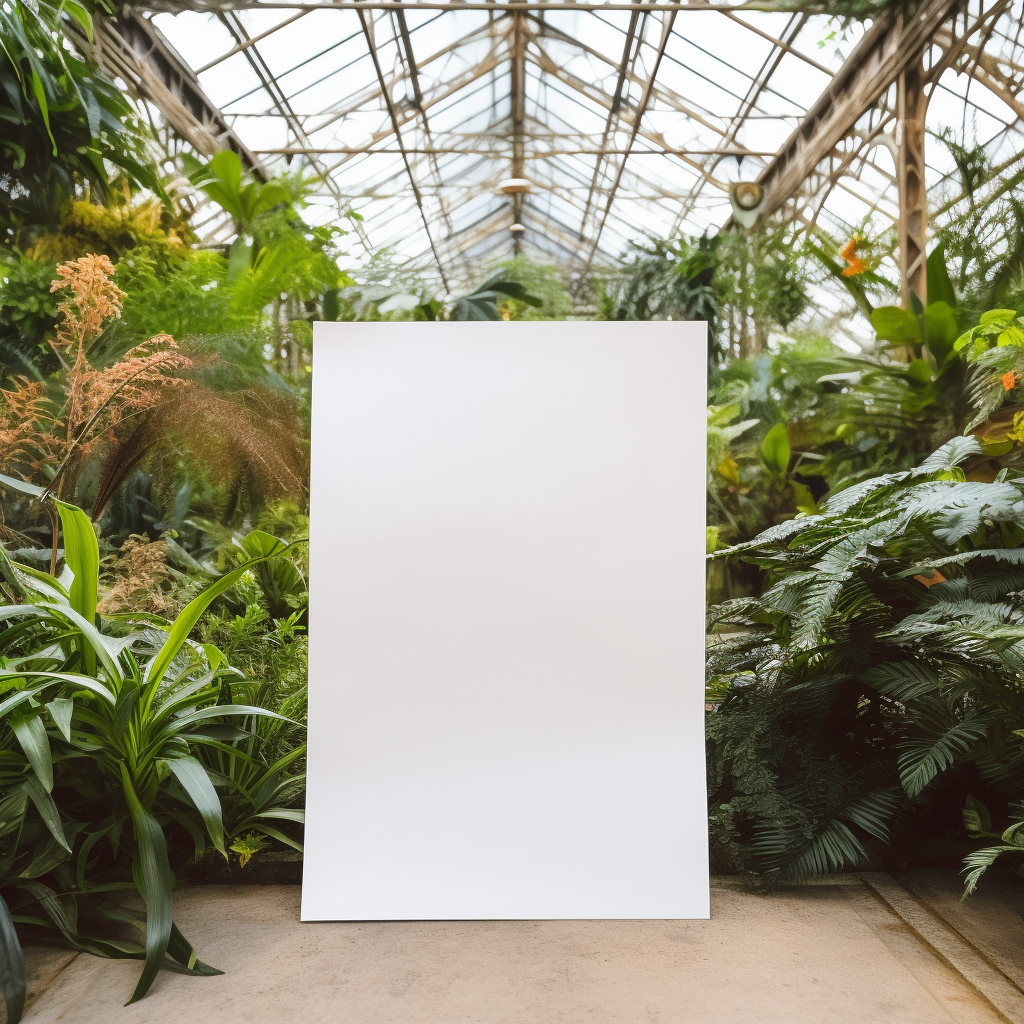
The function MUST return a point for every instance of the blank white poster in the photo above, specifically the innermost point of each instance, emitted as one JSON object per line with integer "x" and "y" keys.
{"x": 506, "y": 703}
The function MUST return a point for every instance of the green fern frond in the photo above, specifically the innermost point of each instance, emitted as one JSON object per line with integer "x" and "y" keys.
{"x": 951, "y": 454}
{"x": 924, "y": 758}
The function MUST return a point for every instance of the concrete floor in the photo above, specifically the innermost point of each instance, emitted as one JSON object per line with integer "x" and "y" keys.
{"x": 831, "y": 953}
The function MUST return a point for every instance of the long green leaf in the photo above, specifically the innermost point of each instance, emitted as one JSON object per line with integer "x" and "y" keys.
{"x": 47, "y": 810}
{"x": 190, "y": 615}
{"x": 195, "y": 781}
{"x": 156, "y": 883}
{"x": 31, "y": 734}
{"x": 279, "y": 836}
{"x": 284, "y": 814}
{"x": 184, "y": 952}
{"x": 22, "y": 485}
{"x": 62, "y": 711}
{"x": 77, "y": 680}
{"x": 219, "y": 710}
{"x": 12, "y": 967}
{"x": 91, "y": 634}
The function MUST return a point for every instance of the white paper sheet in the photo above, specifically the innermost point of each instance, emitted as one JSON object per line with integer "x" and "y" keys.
{"x": 506, "y": 712}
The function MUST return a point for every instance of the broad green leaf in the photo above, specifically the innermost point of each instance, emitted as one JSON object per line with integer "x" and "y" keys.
{"x": 12, "y": 966}
{"x": 215, "y": 656}
{"x": 240, "y": 258}
{"x": 260, "y": 544}
{"x": 977, "y": 819}
{"x": 803, "y": 499}
{"x": 896, "y": 325}
{"x": 155, "y": 872}
{"x": 196, "y": 782}
{"x": 775, "y": 451}
{"x": 939, "y": 328}
{"x": 1000, "y": 316}
{"x": 82, "y": 554}
{"x": 31, "y": 734}
{"x": 940, "y": 287}
{"x": 920, "y": 371}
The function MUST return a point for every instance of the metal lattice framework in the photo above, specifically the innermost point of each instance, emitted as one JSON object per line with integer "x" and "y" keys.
{"x": 625, "y": 118}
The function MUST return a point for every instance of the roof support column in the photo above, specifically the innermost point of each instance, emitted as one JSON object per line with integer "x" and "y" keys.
{"x": 913, "y": 223}
{"x": 518, "y": 120}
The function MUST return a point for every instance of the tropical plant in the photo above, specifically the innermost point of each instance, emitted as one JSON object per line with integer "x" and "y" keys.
{"x": 885, "y": 651}
{"x": 28, "y": 312}
{"x": 119, "y": 226}
{"x": 276, "y": 261}
{"x": 543, "y": 282}
{"x": 978, "y": 823}
{"x": 396, "y": 301}
{"x": 99, "y": 734}
{"x": 64, "y": 121}
{"x": 980, "y": 225}
{"x": 667, "y": 280}
{"x": 760, "y": 284}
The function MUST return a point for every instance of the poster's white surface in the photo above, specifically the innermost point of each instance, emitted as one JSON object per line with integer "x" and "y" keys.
{"x": 506, "y": 711}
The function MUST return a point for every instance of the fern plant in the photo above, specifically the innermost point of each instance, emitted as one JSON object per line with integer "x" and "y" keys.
{"x": 887, "y": 648}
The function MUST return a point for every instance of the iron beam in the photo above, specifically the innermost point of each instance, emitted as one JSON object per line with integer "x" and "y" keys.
{"x": 892, "y": 44}
{"x": 133, "y": 49}
{"x": 911, "y": 106}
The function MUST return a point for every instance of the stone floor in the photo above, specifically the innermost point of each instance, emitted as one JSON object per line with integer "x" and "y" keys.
{"x": 837, "y": 953}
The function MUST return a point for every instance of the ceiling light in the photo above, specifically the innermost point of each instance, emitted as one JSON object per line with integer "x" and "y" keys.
{"x": 512, "y": 186}
{"x": 517, "y": 227}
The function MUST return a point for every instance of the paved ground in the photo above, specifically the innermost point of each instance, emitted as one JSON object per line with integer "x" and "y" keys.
{"x": 834, "y": 953}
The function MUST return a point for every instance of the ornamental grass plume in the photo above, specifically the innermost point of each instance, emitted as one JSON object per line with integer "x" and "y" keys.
{"x": 146, "y": 407}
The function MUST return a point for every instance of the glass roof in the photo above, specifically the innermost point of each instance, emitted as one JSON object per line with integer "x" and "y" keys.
{"x": 624, "y": 123}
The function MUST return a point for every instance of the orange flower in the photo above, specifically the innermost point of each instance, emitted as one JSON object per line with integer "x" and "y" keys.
{"x": 849, "y": 253}
{"x": 1009, "y": 380}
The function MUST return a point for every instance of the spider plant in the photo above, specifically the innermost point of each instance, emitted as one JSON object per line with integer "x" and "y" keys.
{"x": 99, "y": 736}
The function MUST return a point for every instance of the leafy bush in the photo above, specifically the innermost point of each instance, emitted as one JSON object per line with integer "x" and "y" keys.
{"x": 62, "y": 119}
{"x": 112, "y": 737}
{"x": 885, "y": 650}
{"x": 28, "y": 312}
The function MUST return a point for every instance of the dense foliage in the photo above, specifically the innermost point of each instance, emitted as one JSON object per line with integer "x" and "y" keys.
{"x": 865, "y": 511}
{"x": 884, "y": 651}
{"x": 114, "y": 733}
{"x": 65, "y": 124}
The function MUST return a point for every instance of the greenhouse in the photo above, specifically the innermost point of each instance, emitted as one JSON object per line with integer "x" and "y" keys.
{"x": 368, "y": 648}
